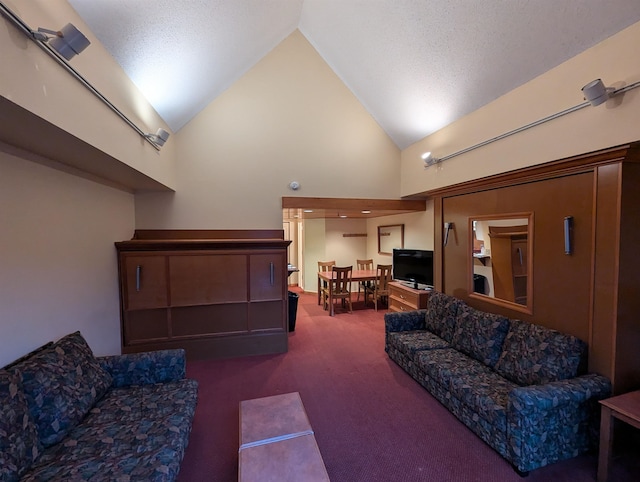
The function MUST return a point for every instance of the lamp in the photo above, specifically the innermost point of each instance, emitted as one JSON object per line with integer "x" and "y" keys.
{"x": 596, "y": 93}
{"x": 429, "y": 160}
{"x": 159, "y": 138}
{"x": 68, "y": 41}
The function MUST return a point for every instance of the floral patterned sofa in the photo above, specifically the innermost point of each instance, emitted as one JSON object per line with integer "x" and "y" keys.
{"x": 520, "y": 387}
{"x": 67, "y": 415}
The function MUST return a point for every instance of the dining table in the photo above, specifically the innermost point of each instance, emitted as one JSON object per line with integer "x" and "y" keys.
{"x": 356, "y": 275}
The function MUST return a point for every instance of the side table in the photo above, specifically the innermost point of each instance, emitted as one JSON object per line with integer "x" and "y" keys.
{"x": 624, "y": 407}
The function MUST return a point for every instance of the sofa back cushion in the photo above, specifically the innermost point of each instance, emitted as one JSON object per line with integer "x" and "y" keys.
{"x": 533, "y": 354}
{"x": 19, "y": 445}
{"x": 61, "y": 383}
{"x": 480, "y": 335}
{"x": 440, "y": 317}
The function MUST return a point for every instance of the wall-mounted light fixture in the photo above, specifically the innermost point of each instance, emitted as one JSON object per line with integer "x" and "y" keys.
{"x": 596, "y": 93}
{"x": 429, "y": 160}
{"x": 159, "y": 138}
{"x": 68, "y": 41}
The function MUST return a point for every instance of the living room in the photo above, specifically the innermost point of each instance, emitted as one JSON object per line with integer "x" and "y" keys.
{"x": 77, "y": 179}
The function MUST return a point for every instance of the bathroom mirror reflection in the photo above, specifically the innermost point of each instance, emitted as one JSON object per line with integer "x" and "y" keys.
{"x": 502, "y": 259}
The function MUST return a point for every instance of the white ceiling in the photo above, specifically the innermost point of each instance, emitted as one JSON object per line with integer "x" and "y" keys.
{"x": 416, "y": 65}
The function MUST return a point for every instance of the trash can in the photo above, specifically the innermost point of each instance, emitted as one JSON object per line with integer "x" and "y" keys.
{"x": 293, "y": 309}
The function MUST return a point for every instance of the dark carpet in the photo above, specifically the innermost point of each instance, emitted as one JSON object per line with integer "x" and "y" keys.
{"x": 371, "y": 420}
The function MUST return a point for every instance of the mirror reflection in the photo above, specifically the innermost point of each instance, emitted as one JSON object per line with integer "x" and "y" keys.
{"x": 501, "y": 255}
{"x": 390, "y": 237}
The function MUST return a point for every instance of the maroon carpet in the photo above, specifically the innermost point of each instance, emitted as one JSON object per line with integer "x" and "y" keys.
{"x": 371, "y": 420}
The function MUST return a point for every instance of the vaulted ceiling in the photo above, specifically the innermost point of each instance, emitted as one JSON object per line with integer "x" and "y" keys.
{"x": 415, "y": 65}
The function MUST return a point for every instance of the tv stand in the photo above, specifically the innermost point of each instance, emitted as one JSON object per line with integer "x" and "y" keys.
{"x": 406, "y": 298}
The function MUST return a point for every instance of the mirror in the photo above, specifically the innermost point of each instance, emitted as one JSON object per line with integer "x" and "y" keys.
{"x": 390, "y": 237}
{"x": 502, "y": 259}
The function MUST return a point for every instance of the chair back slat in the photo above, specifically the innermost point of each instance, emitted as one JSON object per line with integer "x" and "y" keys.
{"x": 342, "y": 280}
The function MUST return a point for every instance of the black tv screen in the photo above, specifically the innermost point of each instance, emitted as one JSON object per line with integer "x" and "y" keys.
{"x": 414, "y": 266}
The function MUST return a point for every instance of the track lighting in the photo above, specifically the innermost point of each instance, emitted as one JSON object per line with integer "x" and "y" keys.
{"x": 596, "y": 93}
{"x": 429, "y": 160}
{"x": 159, "y": 138}
{"x": 68, "y": 41}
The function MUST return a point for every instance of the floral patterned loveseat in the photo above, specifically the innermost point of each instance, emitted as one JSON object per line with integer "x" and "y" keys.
{"x": 67, "y": 415}
{"x": 520, "y": 387}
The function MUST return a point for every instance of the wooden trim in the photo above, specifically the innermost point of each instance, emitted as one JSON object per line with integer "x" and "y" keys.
{"x": 559, "y": 168}
{"x": 198, "y": 244}
{"x": 353, "y": 204}
{"x": 148, "y": 234}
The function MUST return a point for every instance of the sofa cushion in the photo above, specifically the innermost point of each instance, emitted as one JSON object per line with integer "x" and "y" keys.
{"x": 440, "y": 317}
{"x": 409, "y": 342}
{"x": 480, "y": 335}
{"x": 533, "y": 354}
{"x": 446, "y": 364}
{"x": 136, "y": 433}
{"x": 486, "y": 394}
{"x": 61, "y": 384}
{"x": 19, "y": 445}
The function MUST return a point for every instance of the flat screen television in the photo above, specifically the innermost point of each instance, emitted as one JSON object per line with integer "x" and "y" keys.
{"x": 414, "y": 267}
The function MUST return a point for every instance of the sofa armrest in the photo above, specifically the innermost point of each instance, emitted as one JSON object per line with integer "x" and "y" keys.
{"x": 554, "y": 421}
{"x": 404, "y": 321}
{"x": 145, "y": 368}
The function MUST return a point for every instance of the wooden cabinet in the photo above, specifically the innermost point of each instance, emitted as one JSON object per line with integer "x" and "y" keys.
{"x": 509, "y": 248}
{"x": 213, "y": 297}
{"x": 403, "y": 298}
{"x": 582, "y": 280}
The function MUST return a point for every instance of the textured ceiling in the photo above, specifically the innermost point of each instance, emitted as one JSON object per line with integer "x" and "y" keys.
{"x": 416, "y": 65}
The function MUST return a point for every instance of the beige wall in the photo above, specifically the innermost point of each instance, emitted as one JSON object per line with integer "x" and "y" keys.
{"x": 615, "y": 60}
{"x": 58, "y": 262}
{"x": 32, "y": 79}
{"x": 289, "y": 118}
{"x": 418, "y": 232}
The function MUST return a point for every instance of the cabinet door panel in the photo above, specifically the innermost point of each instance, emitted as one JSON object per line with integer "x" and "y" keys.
{"x": 146, "y": 325}
{"x": 205, "y": 279}
{"x": 146, "y": 282}
{"x": 209, "y": 319}
{"x": 267, "y": 276}
{"x": 266, "y": 315}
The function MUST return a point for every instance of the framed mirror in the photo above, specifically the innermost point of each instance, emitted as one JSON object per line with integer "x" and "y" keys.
{"x": 501, "y": 260}
{"x": 390, "y": 237}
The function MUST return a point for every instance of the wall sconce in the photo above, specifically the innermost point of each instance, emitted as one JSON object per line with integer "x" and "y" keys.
{"x": 596, "y": 93}
{"x": 447, "y": 227}
{"x": 429, "y": 160}
{"x": 159, "y": 138}
{"x": 68, "y": 41}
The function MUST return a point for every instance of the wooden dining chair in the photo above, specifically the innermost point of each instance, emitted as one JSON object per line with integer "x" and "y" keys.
{"x": 380, "y": 287}
{"x": 341, "y": 287}
{"x": 325, "y": 266}
{"x": 363, "y": 264}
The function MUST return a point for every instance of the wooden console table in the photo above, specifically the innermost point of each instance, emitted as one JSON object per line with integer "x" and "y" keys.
{"x": 277, "y": 442}
{"x": 624, "y": 407}
{"x": 403, "y": 298}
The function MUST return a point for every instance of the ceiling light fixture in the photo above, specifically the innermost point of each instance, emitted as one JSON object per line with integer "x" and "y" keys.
{"x": 68, "y": 41}
{"x": 596, "y": 93}
{"x": 429, "y": 160}
{"x": 159, "y": 138}
{"x": 366, "y": 212}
